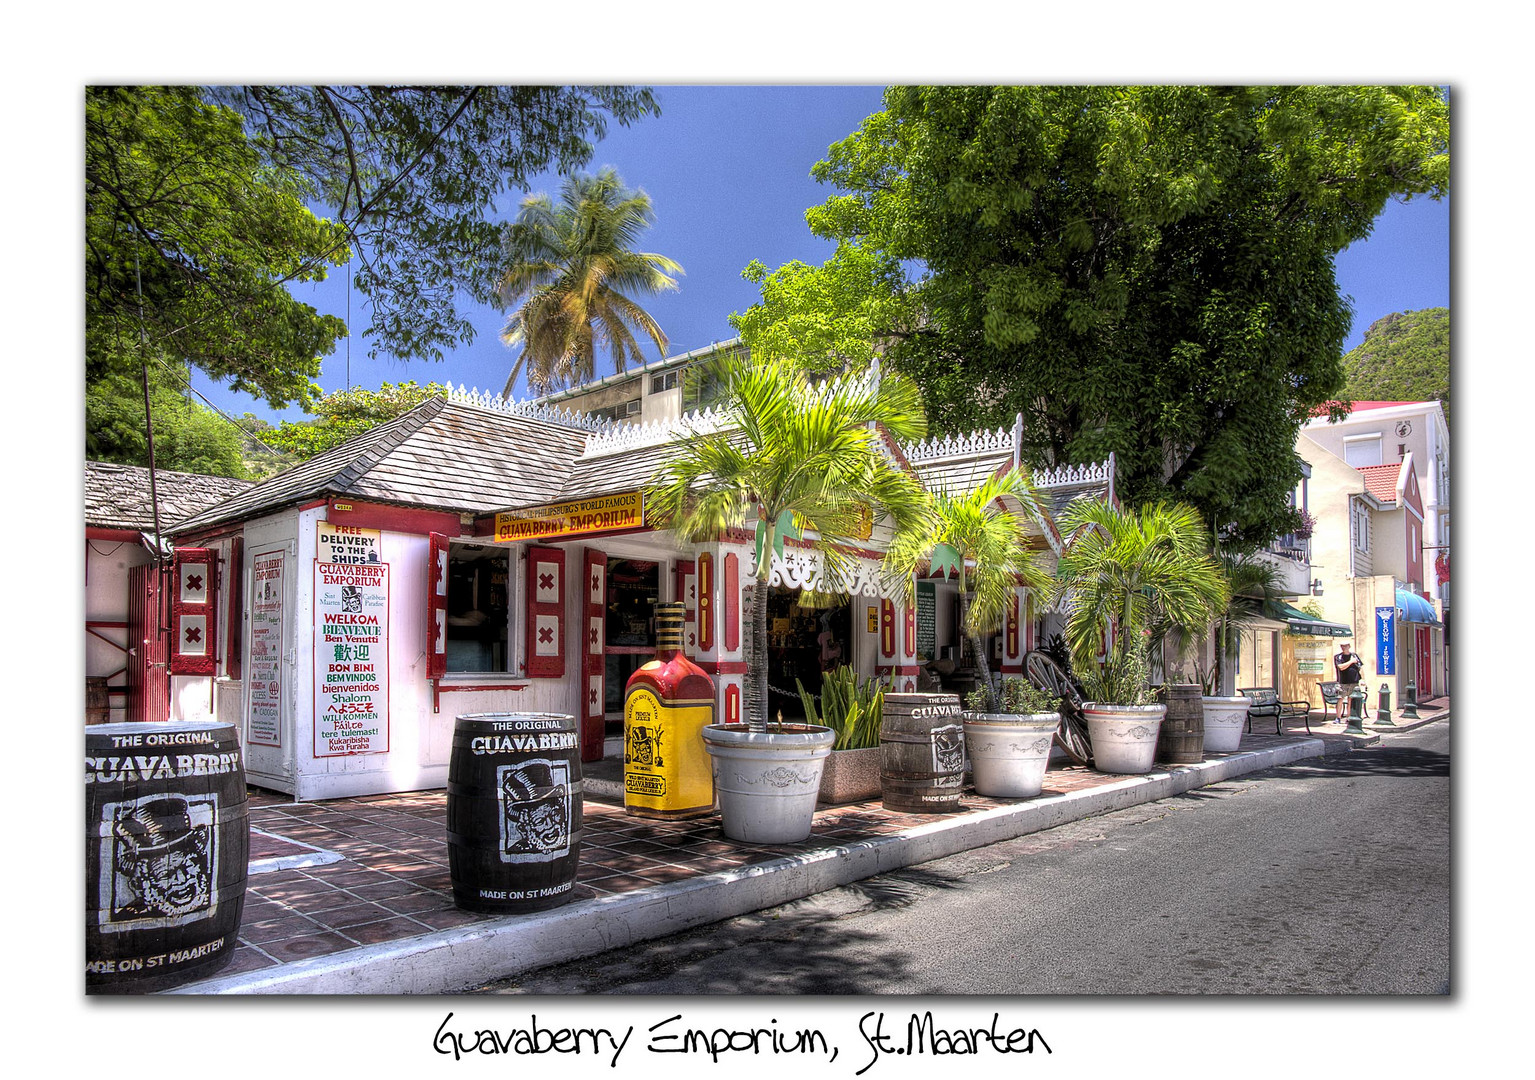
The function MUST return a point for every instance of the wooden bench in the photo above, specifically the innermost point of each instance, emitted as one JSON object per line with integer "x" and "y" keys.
{"x": 1266, "y": 705}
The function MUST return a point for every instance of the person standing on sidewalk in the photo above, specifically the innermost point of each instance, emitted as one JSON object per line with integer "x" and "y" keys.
{"x": 1349, "y": 671}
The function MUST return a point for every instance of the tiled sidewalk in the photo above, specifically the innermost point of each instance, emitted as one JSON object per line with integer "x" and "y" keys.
{"x": 388, "y": 876}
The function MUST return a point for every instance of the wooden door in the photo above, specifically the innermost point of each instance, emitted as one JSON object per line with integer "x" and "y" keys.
{"x": 149, "y": 684}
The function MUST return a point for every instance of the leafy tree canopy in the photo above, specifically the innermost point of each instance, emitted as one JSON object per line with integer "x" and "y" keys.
{"x": 1403, "y": 357}
{"x": 411, "y": 174}
{"x": 345, "y": 414}
{"x": 1139, "y": 270}
{"x": 827, "y": 318}
{"x": 198, "y": 212}
{"x": 188, "y": 240}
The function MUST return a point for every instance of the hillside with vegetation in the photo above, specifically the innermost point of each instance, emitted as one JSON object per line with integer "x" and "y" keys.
{"x": 1403, "y": 357}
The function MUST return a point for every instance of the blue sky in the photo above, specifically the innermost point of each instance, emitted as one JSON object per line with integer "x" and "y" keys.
{"x": 728, "y": 172}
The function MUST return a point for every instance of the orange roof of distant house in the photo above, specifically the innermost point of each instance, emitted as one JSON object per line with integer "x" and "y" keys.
{"x": 1380, "y": 480}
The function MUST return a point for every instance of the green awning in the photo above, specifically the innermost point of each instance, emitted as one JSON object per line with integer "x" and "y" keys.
{"x": 1301, "y": 623}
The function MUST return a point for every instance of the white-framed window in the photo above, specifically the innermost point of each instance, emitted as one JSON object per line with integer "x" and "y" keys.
{"x": 663, "y": 382}
{"x": 1362, "y": 450}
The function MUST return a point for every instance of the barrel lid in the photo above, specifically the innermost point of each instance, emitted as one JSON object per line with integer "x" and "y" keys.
{"x": 155, "y": 726}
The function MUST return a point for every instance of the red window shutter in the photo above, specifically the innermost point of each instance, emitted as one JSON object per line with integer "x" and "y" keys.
{"x": 705, "y": 602}
{"x": 194, "y": 612}
{"x": 233, "y": 636}
{"x": 593, "y": 655}
{"x": 437, "y": 607}
{"x": 545, "y": 641}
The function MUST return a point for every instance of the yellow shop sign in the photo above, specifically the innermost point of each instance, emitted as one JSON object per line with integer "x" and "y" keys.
{"x": 604, "y": 513}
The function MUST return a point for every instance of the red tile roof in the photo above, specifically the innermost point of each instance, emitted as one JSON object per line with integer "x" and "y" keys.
{"x": 1361, "y": 406}
{"x": 1380, "y": 480}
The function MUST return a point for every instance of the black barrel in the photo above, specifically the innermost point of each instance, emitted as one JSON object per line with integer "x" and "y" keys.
{"x": 167, "y": 850}
{"x": 514, "y": 811}
{"x": 922, "y": 753}
{"x": 1181, "y": 739}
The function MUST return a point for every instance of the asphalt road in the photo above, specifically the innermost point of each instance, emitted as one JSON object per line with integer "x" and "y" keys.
{"x": 1328, "y": 876}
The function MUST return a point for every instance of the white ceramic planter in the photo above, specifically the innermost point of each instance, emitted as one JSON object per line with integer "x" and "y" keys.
{"x": 1224, "y": 718}
{"x": 767, "y": 781}
{"x": 1124, "y": 737}
{"x": 1009, "y": 752}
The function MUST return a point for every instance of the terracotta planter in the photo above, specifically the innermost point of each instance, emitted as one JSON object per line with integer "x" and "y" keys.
{"x": 1124, "y": 737}
{"x": 767, "y": 781}
{"x": 850, "y": 776}
{"x": 1224, "y": 719}
{"x": 1009, "y": 752}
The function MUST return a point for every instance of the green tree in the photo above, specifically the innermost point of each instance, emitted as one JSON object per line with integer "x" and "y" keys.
{"x": 1139, "y": 270}
{"x": 188, "y": 437}
{"x": 1403, "y": 357}
{"x": 1127, "y": 571}
{"x": 189, "y": 240}
{"x": 984, "y": 538}
{"x": 834, "y": 317}
{"x": 572, "y": 270}
{"x": 345, "y": 414}
{"x": 799, "y": 457}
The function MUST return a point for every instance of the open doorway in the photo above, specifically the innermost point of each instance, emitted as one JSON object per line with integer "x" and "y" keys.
{"x": 634, "y": 586}
{"x": 803, "y": 643}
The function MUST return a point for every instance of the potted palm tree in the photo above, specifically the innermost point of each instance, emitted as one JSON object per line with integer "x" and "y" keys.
{"x": 1250, "y": 583}
{"x": 802, "y": 458}
{"x": 981, "y": 536}
{"x": 1121, "y": 569}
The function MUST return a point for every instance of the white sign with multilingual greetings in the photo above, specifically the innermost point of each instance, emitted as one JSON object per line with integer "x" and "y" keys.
{"x": 351, "y": 659}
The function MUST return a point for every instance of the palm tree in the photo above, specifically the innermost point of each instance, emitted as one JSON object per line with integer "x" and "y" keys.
{"x": 1128, "y": 568}
{"x": 987, "y": 540}
{"x": 573, "y": 272}
{"x": 797, "y": 457}
{"x": 1251, "y": 584}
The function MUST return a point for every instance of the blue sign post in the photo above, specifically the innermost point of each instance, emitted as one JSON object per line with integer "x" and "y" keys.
{"x": 1385, "y": 641}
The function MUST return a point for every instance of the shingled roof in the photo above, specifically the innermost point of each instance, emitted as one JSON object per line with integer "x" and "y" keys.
{"x": 117, "y": 496}
{"x": 445, "y": 454}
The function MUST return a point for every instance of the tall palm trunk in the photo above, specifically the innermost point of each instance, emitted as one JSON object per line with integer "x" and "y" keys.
{"x": 978, "y": 647}
{"x": 756, "y": 704}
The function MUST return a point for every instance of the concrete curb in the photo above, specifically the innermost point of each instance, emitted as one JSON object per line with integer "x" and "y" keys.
{"x": 451, "y": 961}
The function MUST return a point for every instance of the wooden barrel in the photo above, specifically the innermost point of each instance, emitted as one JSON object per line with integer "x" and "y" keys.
{"x": 98, "y": 706}
{"x": 1181, "y": 740}
{"x": 167, "y": 829}
{"x": 922, "y": 753}
{"x": 514, "y": 811}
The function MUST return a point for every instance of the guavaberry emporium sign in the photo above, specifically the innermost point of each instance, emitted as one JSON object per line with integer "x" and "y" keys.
{"x": 576, "y": 517}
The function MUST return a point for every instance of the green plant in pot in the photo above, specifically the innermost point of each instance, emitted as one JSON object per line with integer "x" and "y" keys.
{"x": 979, "y": 534}
{"x": 1120, "y": 571}
{"x": 851, "y": 707}
{"x": 796, "y": 458}
{"x": 1008, "y": 736}
{"x": 1250, "y": 584}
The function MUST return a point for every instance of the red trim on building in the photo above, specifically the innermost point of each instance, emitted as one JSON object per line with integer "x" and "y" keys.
{"x": 705, "y": 602}
{"x": 594, "y": 667}
{"x": 723, "y": 667}
{"x": 404, "y": 519}
{"x": 121, "y": 536}
{"x": 733, "y": 602}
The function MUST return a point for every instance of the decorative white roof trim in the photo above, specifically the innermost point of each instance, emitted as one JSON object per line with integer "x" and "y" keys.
{"x": 531, "y": 408}
{"x": 616, "y": 437}
{"x": 951, "y": 446}
{"x": 1072, "y": 475}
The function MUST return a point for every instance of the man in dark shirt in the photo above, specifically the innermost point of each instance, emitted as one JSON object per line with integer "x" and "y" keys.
{"x": 1349, "y": 670}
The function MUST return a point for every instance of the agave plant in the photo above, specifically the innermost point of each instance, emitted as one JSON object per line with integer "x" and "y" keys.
{"x": 850, "y": 706}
